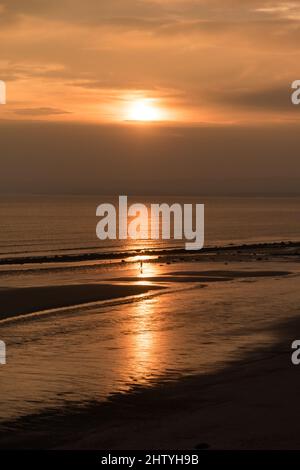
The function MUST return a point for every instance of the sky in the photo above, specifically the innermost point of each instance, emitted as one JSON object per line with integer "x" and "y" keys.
{"x": 216, "y": 72}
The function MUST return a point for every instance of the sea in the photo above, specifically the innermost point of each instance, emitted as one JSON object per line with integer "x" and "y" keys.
{"x": 64, "y": 226}
{"x": 82, "y": 355}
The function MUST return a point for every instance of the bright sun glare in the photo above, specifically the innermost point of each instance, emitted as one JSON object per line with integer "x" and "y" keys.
{"x": 144, "y": 110}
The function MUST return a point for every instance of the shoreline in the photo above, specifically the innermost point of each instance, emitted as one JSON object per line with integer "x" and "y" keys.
{"x": 171, "y": 252}
{"x": 23, "y": 301}
{"x": 250, "y": 404}
{"x": 240, "y": 406}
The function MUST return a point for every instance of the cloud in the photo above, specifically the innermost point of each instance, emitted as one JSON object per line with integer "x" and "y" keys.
{"x": 39, "y": 111}
{"x": 290, "y": 10}
{"x": 76, "y": 11}
{"x": 267, "y": 99}
{"x": 85, "y": 56}
{"x": 12, "y": 71}
{"x": 147, "y": 13}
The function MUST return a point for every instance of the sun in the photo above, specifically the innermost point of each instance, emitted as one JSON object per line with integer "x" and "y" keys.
{"x": 143, "y": 110}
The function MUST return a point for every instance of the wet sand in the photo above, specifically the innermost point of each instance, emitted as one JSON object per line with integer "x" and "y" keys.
{"x": 22, "y": 301}
{"x": 250, "y": 404}
{"x": 205, "y": 276}
{"x": 253, "y": 404}
{"x": 26, "y": 300}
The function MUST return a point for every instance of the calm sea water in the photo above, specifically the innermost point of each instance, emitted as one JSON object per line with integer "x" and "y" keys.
{"x": 47, "y": 226}
{"x": 88, "y": 353}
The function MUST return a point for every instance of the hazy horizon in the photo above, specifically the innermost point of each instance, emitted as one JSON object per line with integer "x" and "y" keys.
{"x": 67, "y": 158}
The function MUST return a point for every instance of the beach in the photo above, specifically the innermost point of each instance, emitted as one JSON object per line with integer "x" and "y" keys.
{"x": 192, "y": 352}
{"x": 16, "y": 302}
{"x": 250, "y": 405}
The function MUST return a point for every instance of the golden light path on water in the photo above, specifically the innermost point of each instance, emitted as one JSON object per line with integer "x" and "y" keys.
{"x": 87, "y": 354}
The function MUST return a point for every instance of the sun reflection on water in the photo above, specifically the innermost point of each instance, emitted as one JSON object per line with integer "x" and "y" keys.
{"x": 145, "y": 343}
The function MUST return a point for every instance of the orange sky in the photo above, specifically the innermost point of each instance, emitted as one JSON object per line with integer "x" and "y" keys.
{"x": 201, "y": 61}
